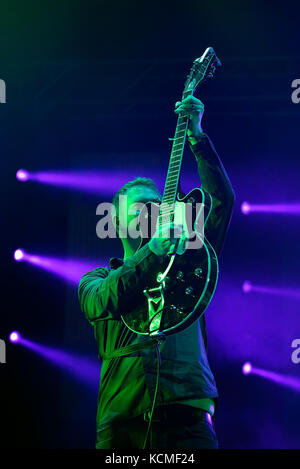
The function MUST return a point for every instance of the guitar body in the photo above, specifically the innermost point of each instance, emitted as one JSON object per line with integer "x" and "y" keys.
{"x": 180, "y": 289}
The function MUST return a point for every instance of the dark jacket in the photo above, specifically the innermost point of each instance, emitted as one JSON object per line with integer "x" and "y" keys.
{"x": 127, "y": 384}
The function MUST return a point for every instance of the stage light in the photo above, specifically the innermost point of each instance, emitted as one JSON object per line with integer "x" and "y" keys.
{"x": 70, "y": 269}
{"x": 283, "y": 380}
{"x": 246, "y": 286}
{"x": 83, "y": 368}
{"x": 22, "y": 175}
{"x": 19, "y": 255}
{"x": 247, "y": 368}
{"x": 91, "y": 181}
{"x": 245, "y": 208}
{"x": 285, "y": 209}
{"x": 270, "y": 290}
{"x": 14, "y": 337}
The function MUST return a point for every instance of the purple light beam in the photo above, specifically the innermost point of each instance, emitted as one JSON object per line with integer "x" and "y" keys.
{"x": 289, "y": 292}
{"x": 287, "y": 381}
{"x": 80, "y": 367}
{"x": 93, "y": 181}
{"x": 101, "y": 182}
{"x": 287, "y": 209}
{"x": 70, "y": 270}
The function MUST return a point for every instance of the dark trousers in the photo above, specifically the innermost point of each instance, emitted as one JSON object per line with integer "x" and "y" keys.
{"x": 173, "y": 427}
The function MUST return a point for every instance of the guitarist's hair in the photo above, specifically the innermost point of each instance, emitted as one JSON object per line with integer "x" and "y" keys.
{"x": 139, "y": 181}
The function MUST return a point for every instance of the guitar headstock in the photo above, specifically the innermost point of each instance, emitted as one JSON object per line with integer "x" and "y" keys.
{"x": 203, "y": 68}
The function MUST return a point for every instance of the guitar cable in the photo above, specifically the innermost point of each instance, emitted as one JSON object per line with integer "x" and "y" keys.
{"x": 158, "y": 356}
{"x": 155, "y": 338}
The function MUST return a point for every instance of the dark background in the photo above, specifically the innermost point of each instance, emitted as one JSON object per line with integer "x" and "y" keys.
{"x": 93, "y": 85}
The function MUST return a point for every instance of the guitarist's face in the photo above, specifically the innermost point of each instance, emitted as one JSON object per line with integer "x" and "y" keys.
{"x": 131, "y": 205}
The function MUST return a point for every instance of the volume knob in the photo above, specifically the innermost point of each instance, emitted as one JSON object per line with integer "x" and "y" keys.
{"x": 179, "y": 275}
{"x": 189, "y": 290}
{"x": 198, "y": 272}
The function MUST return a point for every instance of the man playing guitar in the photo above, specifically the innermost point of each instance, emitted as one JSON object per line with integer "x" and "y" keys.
{"x": 187, "y": 393}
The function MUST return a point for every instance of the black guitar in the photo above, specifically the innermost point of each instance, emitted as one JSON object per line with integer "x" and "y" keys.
{"x": 180, "y": 290}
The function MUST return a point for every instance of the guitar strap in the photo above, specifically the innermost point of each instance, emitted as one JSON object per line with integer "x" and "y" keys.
{"x": 154, "y": 339}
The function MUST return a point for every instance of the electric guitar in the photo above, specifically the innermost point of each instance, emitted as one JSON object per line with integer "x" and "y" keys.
{"x": 180, "y": 289}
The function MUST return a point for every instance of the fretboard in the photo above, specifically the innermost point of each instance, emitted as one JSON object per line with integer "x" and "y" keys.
{"x": 172, "y": 179}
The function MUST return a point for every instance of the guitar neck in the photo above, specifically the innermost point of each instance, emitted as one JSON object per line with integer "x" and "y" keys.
{"x": 172, "y": 180}
{"x": 203, "y": 68}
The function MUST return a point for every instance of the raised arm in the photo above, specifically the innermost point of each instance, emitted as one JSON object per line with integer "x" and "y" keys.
{"x": 213, "y": 176}
{"x": 215, "y": 181}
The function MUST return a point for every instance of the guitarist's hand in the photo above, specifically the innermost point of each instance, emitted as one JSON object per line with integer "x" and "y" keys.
{"x": 165, "y": 238}
{"x": 194, "y": 109}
